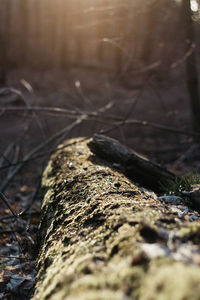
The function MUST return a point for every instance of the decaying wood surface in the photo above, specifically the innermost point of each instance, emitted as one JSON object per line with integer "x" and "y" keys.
{"x": 134, "y": 165}
{"x": 101, "y": 237}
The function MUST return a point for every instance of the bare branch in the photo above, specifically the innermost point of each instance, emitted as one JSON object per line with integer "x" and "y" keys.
{"x": 41, "y": 146}
{"x": 57, "y": 135}
{"x": 5, "y": 201}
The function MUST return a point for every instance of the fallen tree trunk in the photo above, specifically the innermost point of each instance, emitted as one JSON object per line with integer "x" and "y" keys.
{"x": 102, "y": 238}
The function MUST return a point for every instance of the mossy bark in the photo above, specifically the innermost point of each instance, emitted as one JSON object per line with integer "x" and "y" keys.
{"x": 102, "y": 237}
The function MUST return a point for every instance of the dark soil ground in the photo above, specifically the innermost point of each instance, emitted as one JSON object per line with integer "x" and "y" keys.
{"x": 149, "y": 97}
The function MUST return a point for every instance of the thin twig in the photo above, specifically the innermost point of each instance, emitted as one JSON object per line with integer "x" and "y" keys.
{"x": 184, "y": 58}
{"x": 79, "y": 90}
{"x": 186, "y": 154}
{"x": 23, "y": 161}
{"x": 21, "y": 214}
{"x": 34, "y": 196}
{"x": 58, "y": 134}
{"x": 40, "y": 109}
{"x": 163, "y": 127}
{"x": 6, "y": 202}
{"x": 15, "y": 158}
{"x": 5, "y": 154}
{"x": 152, "y": 125}
{"x": 41, "y": 146}
{"x": 59, "y": 110}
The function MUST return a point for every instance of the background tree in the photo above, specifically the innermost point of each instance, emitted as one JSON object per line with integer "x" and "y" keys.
{"x": 24, "y": 29}
{"x": 191, "y": 64}
{"x": 151, "y": 29}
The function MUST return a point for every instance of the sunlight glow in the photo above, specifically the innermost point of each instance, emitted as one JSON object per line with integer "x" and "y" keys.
{"x": 194, "y": 5}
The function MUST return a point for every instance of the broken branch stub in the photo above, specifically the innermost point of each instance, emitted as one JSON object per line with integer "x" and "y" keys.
{"x": 101, "y": 237}
{"x": 137, "y": 167}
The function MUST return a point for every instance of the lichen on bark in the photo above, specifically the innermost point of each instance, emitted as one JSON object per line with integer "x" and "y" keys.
{"x": 102, "y": 237}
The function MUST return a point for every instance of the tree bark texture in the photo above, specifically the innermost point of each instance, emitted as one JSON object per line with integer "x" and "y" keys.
{"x": 103, "y": 238}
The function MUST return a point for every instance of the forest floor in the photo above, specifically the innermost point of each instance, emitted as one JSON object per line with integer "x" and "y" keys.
{"x": 163, "y": 102}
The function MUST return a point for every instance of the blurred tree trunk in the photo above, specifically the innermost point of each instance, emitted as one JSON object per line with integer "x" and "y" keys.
{"x": 65, "y": 33}
{"x": 191, "y": 65}
{"x": 24, "y": 29}
{"x": 2, "y": 62}
{"x": 38, "y": 32}
{"x": 4, "y": 41}
{"x": 151, "y": 25}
